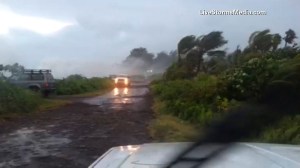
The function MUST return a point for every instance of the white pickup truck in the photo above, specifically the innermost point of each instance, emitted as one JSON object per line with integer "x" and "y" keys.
{"x": 122, "y": 81}
{"x": 241, "y": 155}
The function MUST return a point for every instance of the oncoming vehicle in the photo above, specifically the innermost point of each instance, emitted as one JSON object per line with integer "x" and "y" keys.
{"x": 122, "y": 81}
{"x": 40, "y": 80}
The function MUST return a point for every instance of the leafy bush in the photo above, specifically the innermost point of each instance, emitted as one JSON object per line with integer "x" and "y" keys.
{"x": 250, "y": 80}
{"x": 17, "y": 100}
{"x": 202, "y": 89}
{"x": 76, "y": 84}
{"x": 286, "y": 53}
{"x": 285, "y": 85}
{"x": 190, "y": 100}
{"x": 177, "y": 71}
{"x": 289, "y": 70}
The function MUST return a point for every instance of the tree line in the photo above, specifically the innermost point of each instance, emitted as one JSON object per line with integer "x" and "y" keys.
{"x": 204, "y": 53}
{"x": 141, "y": 60}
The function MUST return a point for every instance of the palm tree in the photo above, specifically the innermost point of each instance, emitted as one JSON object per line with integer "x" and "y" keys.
{"x": 290, "y": 36}
{"x": 185, "y": 44}
{"x": 263, "y": 41}
{"x": 260, "y": 41}
{"x": 198, "y": 47}
{"x": 276, "y": 40}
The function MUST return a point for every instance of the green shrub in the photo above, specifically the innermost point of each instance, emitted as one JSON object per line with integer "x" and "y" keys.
{"x": 76, "y": 84}
{"x": 286, "y": 53}
{"x": 17, "y": 100}
{"x": 177, "y": 71}
{"x": 289, "y": 70}
{"x": 202, "y": 89}
{"x": 190, "y": 100}
{"x": 250, "y": 80}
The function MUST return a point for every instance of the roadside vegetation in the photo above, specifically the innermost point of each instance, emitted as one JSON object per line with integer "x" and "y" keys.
{"x": 78, "y": 84}
{"x": 206, "y": 83}
{"x": 167, "y": 128}
{"x": 15, "y": 100}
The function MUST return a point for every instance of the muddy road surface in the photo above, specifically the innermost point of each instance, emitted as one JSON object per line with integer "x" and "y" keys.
{"x": 77, "y": 134}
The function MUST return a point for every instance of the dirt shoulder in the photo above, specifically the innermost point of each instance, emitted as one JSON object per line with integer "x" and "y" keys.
{"x": 73, "y": 135}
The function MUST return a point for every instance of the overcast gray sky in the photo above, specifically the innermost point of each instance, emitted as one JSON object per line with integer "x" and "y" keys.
{"x": 91, "y": 36}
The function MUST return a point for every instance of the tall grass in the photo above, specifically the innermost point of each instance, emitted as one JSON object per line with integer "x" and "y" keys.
{"x": 167, "y": 128}
{"x": 286, "y": 131}
{"x": 17, "y": 100}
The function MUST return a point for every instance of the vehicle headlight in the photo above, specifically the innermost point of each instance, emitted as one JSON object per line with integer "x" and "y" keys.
{"x": 116, "y": 91}
{"x": 126, "y": 91}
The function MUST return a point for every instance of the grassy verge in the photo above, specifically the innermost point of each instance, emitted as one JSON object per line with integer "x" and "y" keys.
{"x": 167, "y": 128}
{"x": 15, "y": 101}
{"x": 51, "y": 104}
{"x": 45, "y": 105}
{"x": 286, "y": 131}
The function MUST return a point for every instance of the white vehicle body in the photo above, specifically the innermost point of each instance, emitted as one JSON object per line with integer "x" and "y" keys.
{"x": 122, "y": 80}
{"x": 242, "y": 155}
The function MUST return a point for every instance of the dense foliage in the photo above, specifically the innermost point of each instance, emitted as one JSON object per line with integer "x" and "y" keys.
{"x": 262, "y": 73}
{"x": 17, "y": 100}
{"x": 76, "y": 84}
{"x": 197, "y": 100}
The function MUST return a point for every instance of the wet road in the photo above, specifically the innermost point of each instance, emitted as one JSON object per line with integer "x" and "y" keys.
{"x": 75, "y": 135}
{"x": 119, "y": 98}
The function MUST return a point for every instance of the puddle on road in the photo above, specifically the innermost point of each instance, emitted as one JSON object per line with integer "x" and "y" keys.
{"x": 118, "y": 97}
{"x": 19, "y": 147}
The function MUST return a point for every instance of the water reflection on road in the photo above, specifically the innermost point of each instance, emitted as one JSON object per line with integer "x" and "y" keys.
{"x": 118, "y": 98}
{"x": 27, "y": 143}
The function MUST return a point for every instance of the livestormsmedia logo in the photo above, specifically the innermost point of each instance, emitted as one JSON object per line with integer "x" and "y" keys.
{"x": 233, "y": 12}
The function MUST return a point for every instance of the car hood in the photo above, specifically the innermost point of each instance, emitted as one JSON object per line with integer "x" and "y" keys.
{"x": 158, "y": 155}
